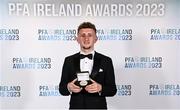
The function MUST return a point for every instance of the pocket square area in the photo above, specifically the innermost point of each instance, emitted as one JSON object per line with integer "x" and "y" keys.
{"x": 100, "y": 70}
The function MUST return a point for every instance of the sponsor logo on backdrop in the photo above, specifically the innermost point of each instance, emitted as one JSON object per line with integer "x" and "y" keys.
{"x": 9, "y": 34}
{"x": 48, "y": 90}
{"x": 165, "y": 34}
{"x": 31, "y": 63}
{"x": 124, "y": 90}
{"x": 164, "y": 89}
{"x": 10, "y": 91}
{"x": 143, "y": 62}
{"x": 70, "y": 34}
{"x": 57, "y": 34}
{"x": 114, "y": 34}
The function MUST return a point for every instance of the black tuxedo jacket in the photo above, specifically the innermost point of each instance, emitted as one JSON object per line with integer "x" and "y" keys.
{"x": 102, "y": 72}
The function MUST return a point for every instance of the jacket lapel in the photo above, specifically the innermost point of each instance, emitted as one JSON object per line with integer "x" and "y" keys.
{"x": 96, "y": 65}
{"x": 77, "y": 63}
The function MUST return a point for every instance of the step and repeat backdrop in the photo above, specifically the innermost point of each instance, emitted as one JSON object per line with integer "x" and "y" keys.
{"x": 141, "y": 36}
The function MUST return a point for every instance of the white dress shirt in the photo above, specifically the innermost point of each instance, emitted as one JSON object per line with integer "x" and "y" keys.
{"x": 86, "y": 64}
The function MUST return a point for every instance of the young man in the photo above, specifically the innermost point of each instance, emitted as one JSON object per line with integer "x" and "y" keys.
{"x": 99, "y": 67}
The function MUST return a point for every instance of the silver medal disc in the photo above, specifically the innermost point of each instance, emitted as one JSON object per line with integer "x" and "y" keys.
{"x": 83, "y": 83}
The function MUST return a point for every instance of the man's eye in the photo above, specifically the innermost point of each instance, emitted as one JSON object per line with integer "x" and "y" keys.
{"x": 83, "y": 36}
{"x": 89, "y": 35}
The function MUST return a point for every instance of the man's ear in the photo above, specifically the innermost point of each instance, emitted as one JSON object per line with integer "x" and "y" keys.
{"x": 77, "y": 39}
{"x": 96, "y": 39}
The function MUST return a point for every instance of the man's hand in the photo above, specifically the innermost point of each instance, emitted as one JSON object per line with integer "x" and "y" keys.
{"x": 94, "y": 87}
{"x": 73, "y": 88}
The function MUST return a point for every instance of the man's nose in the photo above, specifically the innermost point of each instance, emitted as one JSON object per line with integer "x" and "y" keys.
{"x": 86, "y": 37}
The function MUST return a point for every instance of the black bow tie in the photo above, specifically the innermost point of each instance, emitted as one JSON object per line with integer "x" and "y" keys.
{"x": 88, "y": 56}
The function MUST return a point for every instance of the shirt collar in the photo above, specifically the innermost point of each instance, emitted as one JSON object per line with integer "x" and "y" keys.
{"x": 92, "y": 52}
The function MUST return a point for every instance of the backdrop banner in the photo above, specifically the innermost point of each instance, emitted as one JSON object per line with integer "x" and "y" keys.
{"x": 141, "y": 36}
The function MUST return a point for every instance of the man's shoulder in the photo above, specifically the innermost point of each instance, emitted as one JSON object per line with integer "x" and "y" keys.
{"x": 102, "y": 56}
{"x": 72, "y": 56}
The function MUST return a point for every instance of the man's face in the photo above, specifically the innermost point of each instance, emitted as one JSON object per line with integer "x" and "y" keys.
{"x": 87, "y": 38}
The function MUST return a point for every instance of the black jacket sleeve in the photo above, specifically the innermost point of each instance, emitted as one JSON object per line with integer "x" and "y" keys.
{"x": 109, "y": 86}
{"x": 64, "y": 79}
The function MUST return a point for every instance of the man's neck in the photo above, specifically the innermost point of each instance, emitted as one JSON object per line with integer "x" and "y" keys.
{"x": 87, "y": 52}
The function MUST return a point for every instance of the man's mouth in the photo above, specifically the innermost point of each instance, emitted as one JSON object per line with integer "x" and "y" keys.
{"x": 86, "y": 47}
